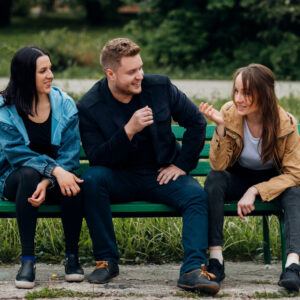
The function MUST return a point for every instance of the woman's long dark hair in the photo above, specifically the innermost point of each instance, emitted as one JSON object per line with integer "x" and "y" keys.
{"x": 21, "y": 89}
{"x": 259, "y": 81}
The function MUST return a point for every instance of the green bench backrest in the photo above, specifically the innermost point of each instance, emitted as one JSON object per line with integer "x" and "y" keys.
{"x": 203, "y": 166}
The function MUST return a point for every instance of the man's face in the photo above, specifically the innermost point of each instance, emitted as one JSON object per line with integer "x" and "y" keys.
{"x": 128, "y": 78}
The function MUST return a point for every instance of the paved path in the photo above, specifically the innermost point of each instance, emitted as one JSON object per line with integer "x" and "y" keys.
{"x": 150, "y": 282}
{"x": 204, "y": 89}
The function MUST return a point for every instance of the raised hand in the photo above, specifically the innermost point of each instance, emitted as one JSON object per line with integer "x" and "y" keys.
{"x": 211, "y": 113}
{"x": 139, "y": 120}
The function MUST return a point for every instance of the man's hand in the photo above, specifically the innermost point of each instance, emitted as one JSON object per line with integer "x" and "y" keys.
{"x": 67, "y": 181}
{"x": 139, "y": 120}
{"x": 168, "y": 173}
{"x": 39, "y": 195}
{"x": 246, "y": 204}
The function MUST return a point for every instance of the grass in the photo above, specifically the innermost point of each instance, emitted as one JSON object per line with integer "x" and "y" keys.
{"x": 141, "y": 240}
{"x": 77, "y": 53}
{"x": 197, "y": 294}
{"x": 46, "y": 33}
{"x": 275, "y": 295}
{"x": 58, "y": 293}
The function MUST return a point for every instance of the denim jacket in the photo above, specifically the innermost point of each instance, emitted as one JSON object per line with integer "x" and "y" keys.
{"x": 14, "y": 141}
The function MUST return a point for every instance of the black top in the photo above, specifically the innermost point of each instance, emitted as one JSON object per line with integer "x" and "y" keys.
{"x": 141, "y": 154}
{"x": 39, "y": 135}
{"x": 101, "y": 124}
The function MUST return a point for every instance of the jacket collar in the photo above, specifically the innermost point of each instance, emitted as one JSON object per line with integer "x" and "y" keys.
{"x": 56, "y": 108}
{"x": 234, "y": 122}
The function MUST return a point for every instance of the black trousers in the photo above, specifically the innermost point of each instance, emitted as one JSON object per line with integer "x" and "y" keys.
{"x": 231, "y": 185}
{"x": 19, "y": 186}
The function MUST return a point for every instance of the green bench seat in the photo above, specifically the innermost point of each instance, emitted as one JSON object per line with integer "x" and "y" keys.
{"x": 147, "y": 209}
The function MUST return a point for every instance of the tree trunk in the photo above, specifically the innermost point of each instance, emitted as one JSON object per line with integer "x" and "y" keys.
{"x": 5, "y": 12}
{"x": 94, "y": 12}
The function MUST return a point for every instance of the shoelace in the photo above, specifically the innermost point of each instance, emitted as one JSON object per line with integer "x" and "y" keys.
{"x": 102, "y": 264}
{"x": 205, "y": 273}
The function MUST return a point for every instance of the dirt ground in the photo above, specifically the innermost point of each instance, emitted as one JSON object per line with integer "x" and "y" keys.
{"x": 244, "y": 280}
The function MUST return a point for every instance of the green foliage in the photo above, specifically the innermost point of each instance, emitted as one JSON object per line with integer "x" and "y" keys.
{"x": 173, "y": 44}
{"x": 71, "y": 50}
{"x": 21, "y": 8}
{"x": 140, "y": 240}
{"x": 221, "y": 34}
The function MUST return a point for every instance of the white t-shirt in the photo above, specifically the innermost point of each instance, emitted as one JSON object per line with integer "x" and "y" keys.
{"x": 250, "y": 156}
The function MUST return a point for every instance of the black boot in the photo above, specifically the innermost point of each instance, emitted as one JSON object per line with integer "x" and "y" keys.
{"x": 73, "y": 270}
{"x": 25, "y": 278}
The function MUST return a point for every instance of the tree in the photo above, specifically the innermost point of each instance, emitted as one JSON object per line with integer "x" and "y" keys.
{"x": 5, "y": 12}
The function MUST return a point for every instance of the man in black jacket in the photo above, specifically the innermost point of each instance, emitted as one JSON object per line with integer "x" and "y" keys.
{"x": 125, "y": 126}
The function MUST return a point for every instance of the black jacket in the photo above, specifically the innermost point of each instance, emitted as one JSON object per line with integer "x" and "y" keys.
{"x": 102, "y": 128}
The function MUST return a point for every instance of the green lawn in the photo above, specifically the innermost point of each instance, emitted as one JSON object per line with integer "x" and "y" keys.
{"x": 74, "y": 47}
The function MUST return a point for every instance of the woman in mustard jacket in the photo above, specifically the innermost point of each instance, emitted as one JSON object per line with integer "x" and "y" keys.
{"x": 255, "y": 153}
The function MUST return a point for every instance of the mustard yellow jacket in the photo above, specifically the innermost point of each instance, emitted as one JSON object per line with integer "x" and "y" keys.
{"x": 225, "y": 151}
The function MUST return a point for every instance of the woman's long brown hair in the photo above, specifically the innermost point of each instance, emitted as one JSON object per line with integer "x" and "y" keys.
{"x": 259, "y": 81}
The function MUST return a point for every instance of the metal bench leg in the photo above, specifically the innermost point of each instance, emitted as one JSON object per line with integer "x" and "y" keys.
{"x": 267, "y": 254}
{"x": 283, "y": 242}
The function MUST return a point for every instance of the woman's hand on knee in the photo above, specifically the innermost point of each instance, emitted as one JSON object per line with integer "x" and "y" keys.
{"x": 39, "y": 195}
{"x": 246, "y": 204}
{"x": 68, "y": 182}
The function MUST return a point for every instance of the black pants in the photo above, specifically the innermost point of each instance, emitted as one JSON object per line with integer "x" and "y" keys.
{"x": 19, "y": 186}
{"x": 230, "y": 185}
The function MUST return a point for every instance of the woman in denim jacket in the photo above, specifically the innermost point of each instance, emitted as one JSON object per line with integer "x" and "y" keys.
{"x": 40, "y": 146}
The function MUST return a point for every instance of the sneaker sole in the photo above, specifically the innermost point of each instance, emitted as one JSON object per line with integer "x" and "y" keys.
{"x": 102, "y": 282}
{"x": 74, "y": 277}
{"x": 24, "y": 284}
{"x": 289, "y": 284}
{"x": 208, "y": 288}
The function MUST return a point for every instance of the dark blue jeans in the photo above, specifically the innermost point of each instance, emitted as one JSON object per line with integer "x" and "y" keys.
{"x": 103, "y": 186}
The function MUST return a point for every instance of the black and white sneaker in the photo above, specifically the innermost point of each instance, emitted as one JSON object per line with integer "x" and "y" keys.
{"x": 25, "y": 278}
{"x": 289, "y": 278}
{"x": 216, "y": 268}
{"x": 73, "y": 270}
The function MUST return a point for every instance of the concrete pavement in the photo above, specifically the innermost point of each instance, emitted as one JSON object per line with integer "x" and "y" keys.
{"x": 243, "y": 280}
{"x": 205, "y": 89}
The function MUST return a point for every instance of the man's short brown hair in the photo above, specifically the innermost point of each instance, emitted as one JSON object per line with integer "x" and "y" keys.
{"x": 114, "y": 50}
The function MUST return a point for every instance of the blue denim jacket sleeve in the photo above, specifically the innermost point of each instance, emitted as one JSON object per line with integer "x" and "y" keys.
{"x": 69, "y": 150}
{"x": 19, "y": 154}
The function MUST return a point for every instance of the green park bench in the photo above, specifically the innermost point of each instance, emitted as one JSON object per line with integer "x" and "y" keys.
{"x": 147, "y": 209}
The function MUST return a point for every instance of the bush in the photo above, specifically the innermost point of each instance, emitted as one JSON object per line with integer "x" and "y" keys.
{"x": 178, "y": 40}
{"x": 68, "y": 49}
{"x": 21, "y": 8}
